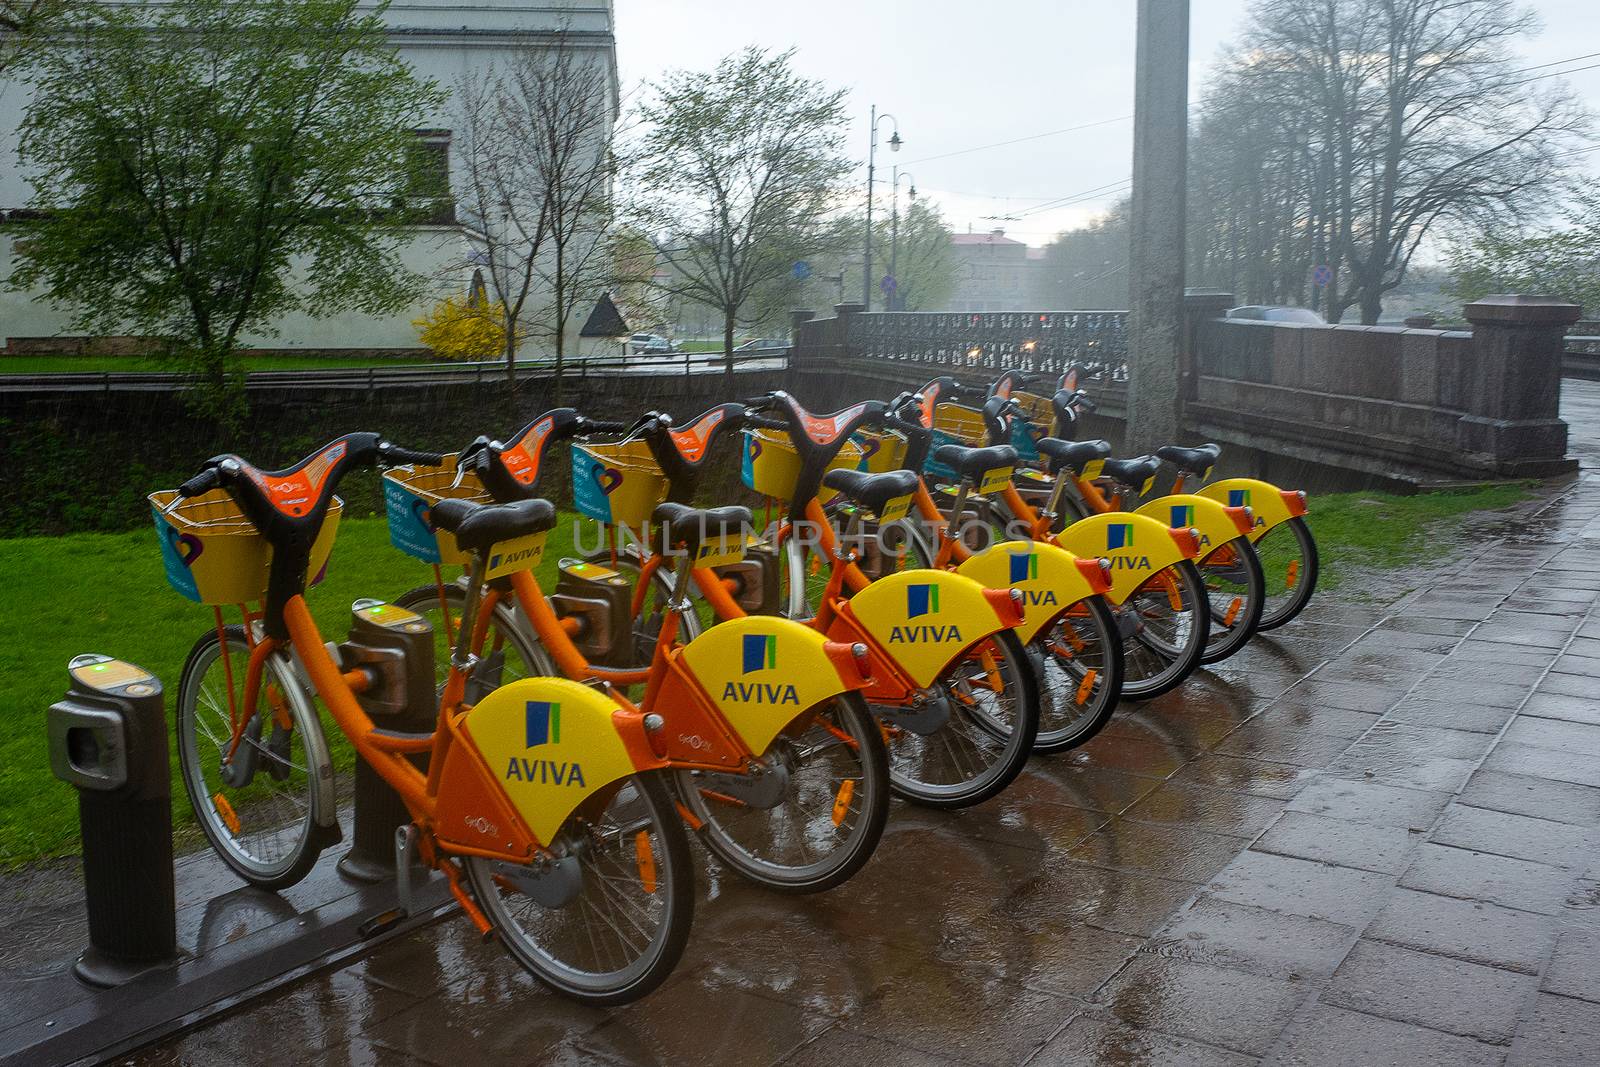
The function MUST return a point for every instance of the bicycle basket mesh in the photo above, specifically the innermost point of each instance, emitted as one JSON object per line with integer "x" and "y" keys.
{"x": 619, "y": 483}
{"x": 408, "y": 494}
{"x": 771, "y": 465}
{"x": 212, "y": 553}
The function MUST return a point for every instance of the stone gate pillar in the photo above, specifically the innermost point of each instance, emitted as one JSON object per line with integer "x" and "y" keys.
{"x": 1511, "y": 388}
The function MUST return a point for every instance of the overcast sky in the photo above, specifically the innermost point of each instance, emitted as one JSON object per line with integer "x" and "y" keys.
{"x": 958, "y": 74}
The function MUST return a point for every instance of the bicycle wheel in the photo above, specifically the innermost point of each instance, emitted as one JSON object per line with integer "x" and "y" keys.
{"x": 831, "y": 813}
{"x": 1164, "y": 624}
{"x": 1236, "y": 591}
{"x": 802, "y": 577}
{"x": 1079, "y": 662}
{"x": 510, "y": 651}
{"x": 264, "y": 809}
{"x": 623, "y": 930}
{"x": 988, "y": 701}
{"x": 647, "y": 623}
{"x": 1288, "y": 555}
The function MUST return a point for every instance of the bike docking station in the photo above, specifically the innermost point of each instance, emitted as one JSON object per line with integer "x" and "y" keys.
{"x": 172, "y": 944}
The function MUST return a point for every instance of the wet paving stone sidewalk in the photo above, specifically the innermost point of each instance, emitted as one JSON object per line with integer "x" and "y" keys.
{"x": 1371, "y": 838}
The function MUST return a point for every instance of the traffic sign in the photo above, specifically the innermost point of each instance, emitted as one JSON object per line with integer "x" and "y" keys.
{"x": 1321, "y": 275}
{"x": 888, "y": 284}
{"x": 802, "y": 270}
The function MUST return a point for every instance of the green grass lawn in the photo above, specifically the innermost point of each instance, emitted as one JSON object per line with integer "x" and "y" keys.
{"x": 106, "y": 593}
{"x": 1384, "y": 531}
{"x": 153, "y": 365}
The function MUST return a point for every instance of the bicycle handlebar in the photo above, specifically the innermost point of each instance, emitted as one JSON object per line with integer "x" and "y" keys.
{"x": 589, "y": 426}
{"x": 392, "y": 455}
{"x": 203, "y": 482}
{"x": 764, "y": 423}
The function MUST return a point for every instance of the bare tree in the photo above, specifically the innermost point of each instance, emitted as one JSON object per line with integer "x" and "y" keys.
{"x": 741, "y": 169}
{"x": 1349, "y": 130}
{"x": 564, "y": 111}
{"x": 534, "y": 151}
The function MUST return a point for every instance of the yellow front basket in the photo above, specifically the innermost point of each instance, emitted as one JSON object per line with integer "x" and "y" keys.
{"x": 213, "y": 555}
{"x": 409, "y": 493}
{"x": 619, "y": 483}
{"x": 771, "y": 465}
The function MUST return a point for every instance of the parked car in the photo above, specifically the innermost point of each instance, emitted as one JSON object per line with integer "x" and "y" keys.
{"x": 1270, "y": 313}
{"x": 759, "y": 343}
{"x": 650, "y": 344}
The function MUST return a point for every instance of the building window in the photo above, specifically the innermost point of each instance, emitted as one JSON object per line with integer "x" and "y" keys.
{"x": 428, "y": 181}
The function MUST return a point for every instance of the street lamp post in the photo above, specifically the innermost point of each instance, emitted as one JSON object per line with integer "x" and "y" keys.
{"x": 872, "y": 153}
{"x": 894, "y": 235}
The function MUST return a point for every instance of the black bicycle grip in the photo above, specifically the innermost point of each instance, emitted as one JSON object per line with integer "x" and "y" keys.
{"x": 602, "y": 426}
{"x": 765, "y": 424}
{"x": 393, "y": 455}
{"x": 203, "y": 482}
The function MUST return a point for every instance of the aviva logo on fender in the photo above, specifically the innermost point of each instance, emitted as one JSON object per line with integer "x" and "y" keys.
{"x": 923, "y": 600}
{"x": 1119, "y": 535}
{"x": 1024, "y": 565}
{"x": 760, "y": 653}
{"x": 1238, "y": 498}
{"x": 542, "y": 726}
{"x": 1025, "y": 568}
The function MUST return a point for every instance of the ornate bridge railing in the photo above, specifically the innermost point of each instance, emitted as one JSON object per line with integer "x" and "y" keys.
{"x": 972, "y": 344}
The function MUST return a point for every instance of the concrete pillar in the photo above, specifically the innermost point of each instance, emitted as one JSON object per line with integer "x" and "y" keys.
{"x": 798, "y": 318}
{"x": 1511, "y": 389}
{"x": 1155, "y": 267}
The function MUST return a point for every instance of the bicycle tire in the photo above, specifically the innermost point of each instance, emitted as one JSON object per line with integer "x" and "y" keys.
{"x": 1184, "y": 660}
{"x": 1105, "y": 691}
{"x": 1245, "y": 611}
{"x": 1274, "y": 615}
{"x": 222, "y": 818}
{"x": 716, "y": 822}
{"x": 670, "y": 873}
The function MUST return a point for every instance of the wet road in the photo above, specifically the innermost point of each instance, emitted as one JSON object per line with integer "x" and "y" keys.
{"x": 1371, "y": 838}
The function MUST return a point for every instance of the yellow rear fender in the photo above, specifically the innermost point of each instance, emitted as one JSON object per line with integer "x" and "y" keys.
{"x": 761, "y": 672}
{"x": 1136, "y": 545}
{"x": 924, "y": 619}
{"x": 551, "y": 744}
{"x": 1214, "y": 524}
{"x": 1269, "y": 505}
{"x": 1049, "y": 579}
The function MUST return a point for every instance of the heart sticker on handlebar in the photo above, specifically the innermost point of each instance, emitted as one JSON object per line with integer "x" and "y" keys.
{"x": 607, "y": 478}
{"x": 755, "y": 447}
{"x": 423, "y": 513}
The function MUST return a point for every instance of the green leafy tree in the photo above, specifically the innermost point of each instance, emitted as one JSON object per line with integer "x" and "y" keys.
{"x": 22, "y": 24}
{"x": 1562, "y": 261}
{"x": 741, "y": 169}
{"x": 207, "y": 166}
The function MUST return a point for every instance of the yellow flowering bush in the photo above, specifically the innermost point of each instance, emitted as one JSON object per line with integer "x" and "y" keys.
{"x": 464, "y": 330}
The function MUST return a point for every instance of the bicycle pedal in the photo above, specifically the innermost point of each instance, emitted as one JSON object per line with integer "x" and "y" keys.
{"x": 382, "y": 922}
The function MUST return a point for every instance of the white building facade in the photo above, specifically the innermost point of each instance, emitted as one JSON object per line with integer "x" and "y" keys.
{"x": 443, "y": 41}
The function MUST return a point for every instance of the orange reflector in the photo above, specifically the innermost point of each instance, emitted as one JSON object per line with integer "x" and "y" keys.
{"x": 1086, "y": 687}
{"x": 644, "y": 857}
{"x": 225, "y": 809}
{"x": 816, "y": 563}
{"x": 1072, "y": 638}
{"x": 1233, "y": 611}
{"x": 689, "y": 817}
{"x": 1174, "y": 597}
{"x": 1294, "y": 574}
{"x": 841, "y": 803}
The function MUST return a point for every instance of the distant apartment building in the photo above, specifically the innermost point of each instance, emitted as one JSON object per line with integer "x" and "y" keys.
{"x": 442, "y": 41}
{"x": 997, "y": 273}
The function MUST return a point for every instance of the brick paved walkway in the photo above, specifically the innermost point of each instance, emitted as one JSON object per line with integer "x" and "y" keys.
{"x": 1369, "y": 839}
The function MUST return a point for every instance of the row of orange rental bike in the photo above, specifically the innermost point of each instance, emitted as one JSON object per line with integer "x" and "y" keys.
{"x": 942, "y": 585}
